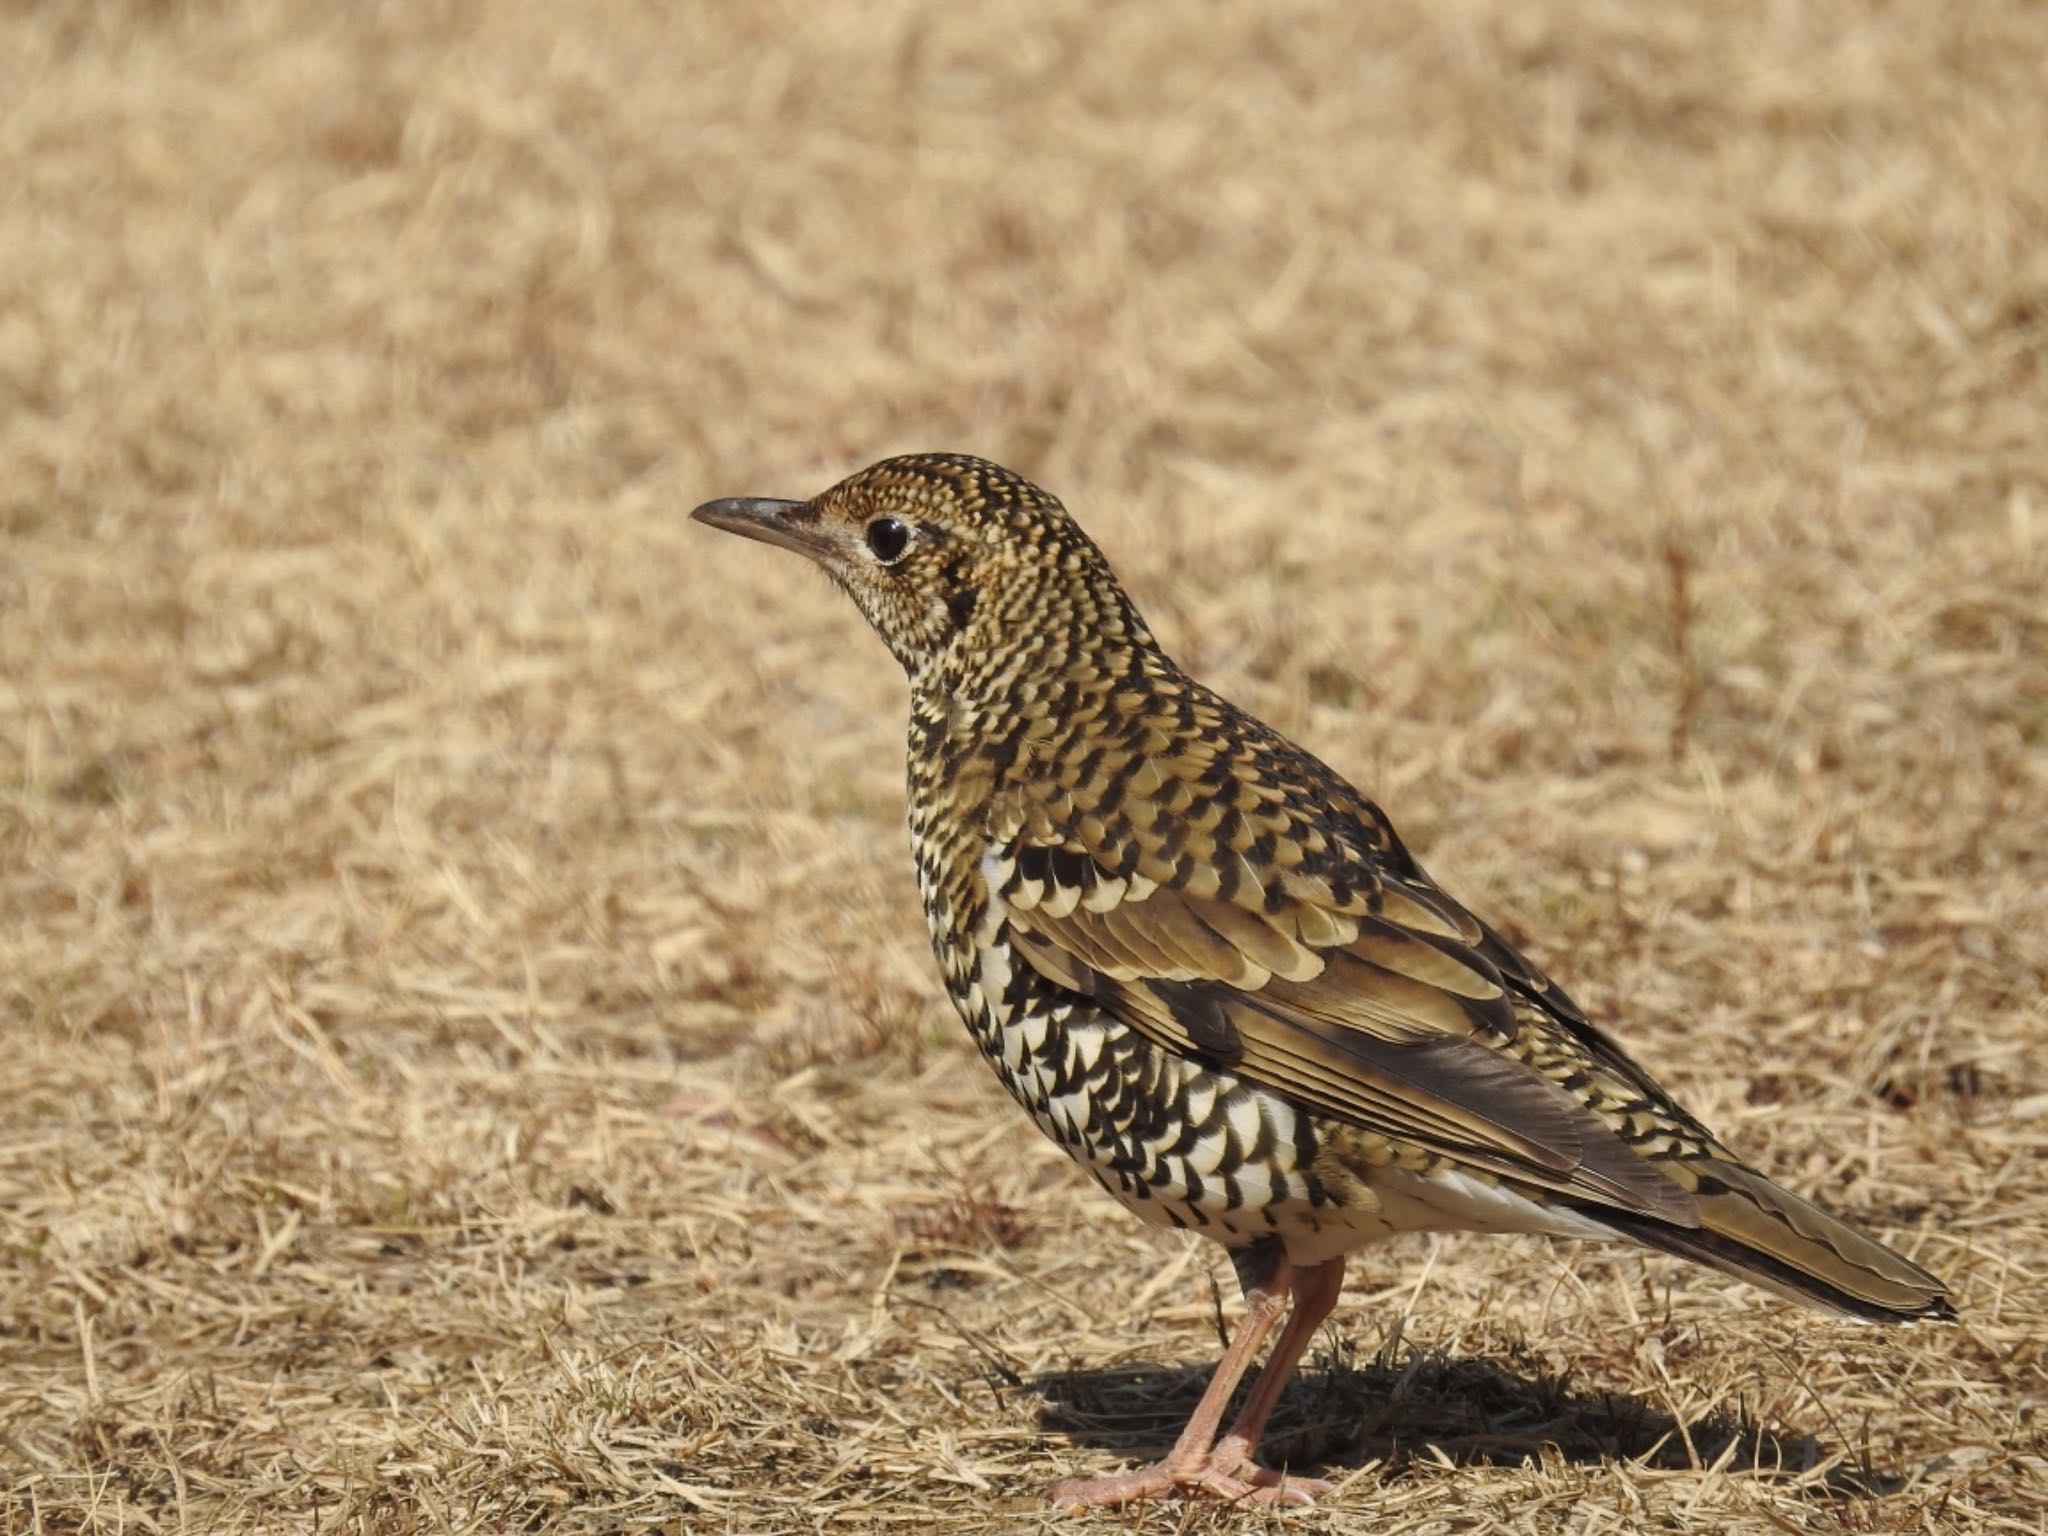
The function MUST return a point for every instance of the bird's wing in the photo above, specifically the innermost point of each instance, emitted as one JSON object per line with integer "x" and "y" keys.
{"x": 1349, "y": 982}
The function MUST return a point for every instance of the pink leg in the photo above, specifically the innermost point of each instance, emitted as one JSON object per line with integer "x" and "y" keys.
{"x": 1229, "y": 1471}
{"x": 1315, "y": 1294}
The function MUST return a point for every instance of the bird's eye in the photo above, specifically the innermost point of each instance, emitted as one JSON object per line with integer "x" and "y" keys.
{"x": 888, "y": 537}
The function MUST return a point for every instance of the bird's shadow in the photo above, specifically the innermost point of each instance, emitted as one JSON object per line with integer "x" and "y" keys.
{"x": 1345, "y": 1412}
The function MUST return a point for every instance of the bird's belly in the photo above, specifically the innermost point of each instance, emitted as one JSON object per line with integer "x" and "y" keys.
{"x": 1440, "y": 1199}
{"x": 1176, "y": 1142}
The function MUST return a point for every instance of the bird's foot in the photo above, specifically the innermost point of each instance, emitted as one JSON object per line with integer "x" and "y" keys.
{"x": 1226, "y": 1473}
{"x": 1232, "y": 1458}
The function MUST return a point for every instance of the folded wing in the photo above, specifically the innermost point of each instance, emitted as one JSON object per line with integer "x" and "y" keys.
{"x": 1383, "y": 1004}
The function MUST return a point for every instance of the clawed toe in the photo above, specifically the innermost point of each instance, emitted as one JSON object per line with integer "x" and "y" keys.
{"x": 1244, "y": 1480}
{"x": 1230, "y": 1460}
{"x": 1270, "y": 1487}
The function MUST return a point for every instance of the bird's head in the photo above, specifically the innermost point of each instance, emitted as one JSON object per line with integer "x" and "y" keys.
{"x": 956, "y": 562}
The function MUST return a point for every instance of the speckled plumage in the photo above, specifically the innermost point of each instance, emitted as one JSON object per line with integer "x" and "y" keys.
{"x": 1209, "y": 970}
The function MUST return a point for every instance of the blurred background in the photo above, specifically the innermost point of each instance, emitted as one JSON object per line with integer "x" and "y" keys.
{"x": 473, "y": 1056}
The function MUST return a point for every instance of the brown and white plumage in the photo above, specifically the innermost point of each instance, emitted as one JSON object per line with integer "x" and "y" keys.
{"x": 1209, "y": 969}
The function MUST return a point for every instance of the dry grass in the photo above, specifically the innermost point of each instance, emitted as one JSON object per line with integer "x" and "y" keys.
{"x": 472, "y": 1059}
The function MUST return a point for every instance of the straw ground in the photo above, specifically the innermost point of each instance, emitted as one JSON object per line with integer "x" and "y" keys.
{"x": 472, "y": 1061}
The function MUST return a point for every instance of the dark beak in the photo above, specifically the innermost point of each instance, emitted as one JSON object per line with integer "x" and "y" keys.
{"x": 790, "y": 524}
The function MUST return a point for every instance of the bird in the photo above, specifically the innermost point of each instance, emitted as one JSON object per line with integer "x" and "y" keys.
{"x": 1210, "y": 971}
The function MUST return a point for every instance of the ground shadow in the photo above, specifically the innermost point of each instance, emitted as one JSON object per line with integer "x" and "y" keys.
{"x": 1496, "y": 1411}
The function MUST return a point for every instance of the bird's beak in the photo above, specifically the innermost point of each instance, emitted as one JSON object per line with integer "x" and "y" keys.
{"x": 790, "y": 524}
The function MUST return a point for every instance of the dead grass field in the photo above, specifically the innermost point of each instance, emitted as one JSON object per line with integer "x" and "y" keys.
{"x": 472, "y": 1060}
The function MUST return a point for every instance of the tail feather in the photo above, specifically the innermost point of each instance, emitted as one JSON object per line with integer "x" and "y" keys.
{"x": 1752, "y": 1229}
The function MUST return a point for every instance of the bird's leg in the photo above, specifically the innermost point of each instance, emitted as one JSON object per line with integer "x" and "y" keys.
{"x": 1264, "y": 1273}
{"x": 1315, "y": 1293}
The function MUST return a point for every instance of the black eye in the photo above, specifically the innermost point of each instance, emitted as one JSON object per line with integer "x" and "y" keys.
{"x": 888, "y": 537}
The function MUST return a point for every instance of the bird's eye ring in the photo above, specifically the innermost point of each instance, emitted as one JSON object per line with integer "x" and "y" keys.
{"x": 888, "y": 537}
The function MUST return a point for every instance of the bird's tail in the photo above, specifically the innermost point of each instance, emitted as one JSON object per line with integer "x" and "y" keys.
{"x": 1752, "y": 1229}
